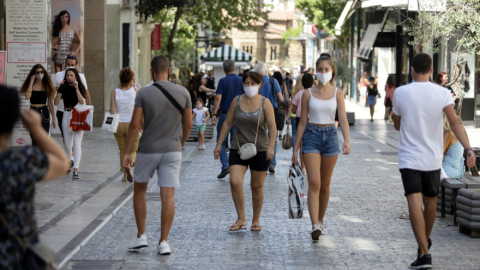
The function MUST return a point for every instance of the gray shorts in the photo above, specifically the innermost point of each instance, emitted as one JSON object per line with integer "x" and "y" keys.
{"x": 167, "y": 166}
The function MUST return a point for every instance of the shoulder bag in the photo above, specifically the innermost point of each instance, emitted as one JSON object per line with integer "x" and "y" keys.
{"x": 36, "y": 256}
{"x": 169, "y": 97}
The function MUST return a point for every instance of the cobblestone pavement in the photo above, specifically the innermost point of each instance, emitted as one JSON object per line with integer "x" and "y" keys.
{"x": 363, "y": 229}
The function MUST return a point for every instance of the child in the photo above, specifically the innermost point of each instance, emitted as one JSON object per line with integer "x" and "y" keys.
{"x": 201, "y": 115}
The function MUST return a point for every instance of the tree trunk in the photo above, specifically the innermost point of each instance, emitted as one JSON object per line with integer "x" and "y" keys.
{"x": 170, "y": 45}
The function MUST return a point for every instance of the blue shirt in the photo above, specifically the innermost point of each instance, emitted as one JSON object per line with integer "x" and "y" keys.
{"x": 229, "y": 87}
{"x": 266, "y": 90}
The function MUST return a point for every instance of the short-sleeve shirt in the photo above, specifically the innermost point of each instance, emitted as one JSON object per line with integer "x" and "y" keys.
{"x": 297, "y": 101}
{"x": 199, "y": 115}
{"x": 162, "y": 130}
{"x": 20, "y": 169}
{"x": 266, "y": 90}
{"x": 229, "y": 87}
{"x": 420, "y": 106}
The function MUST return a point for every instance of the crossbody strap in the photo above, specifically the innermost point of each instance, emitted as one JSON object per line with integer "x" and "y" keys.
{"x": 258, "y": 122}
{"x": 13, "y": 233}
{"x": 174, "y": 102}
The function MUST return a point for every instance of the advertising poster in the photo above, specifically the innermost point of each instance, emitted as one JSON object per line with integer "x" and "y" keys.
{"x": 26, "y": 40}
{"x": 3, "y": 56}
{"x": 66, "y": 33}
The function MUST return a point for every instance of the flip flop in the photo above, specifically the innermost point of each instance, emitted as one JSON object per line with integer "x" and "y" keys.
{"x": 237, "y": 228}
{"x": 256, "y": 228}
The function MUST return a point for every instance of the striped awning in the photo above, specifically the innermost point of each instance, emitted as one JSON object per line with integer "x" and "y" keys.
{"x": 226, "y": 52}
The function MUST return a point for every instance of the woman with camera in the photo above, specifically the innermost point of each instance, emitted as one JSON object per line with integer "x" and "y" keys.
{"x": 251, "y": 147}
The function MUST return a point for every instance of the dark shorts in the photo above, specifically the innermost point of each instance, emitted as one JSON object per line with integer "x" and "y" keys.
{"x": 388, "y": 103}
{"x": 425, "y": 182}
{"x": 256, "y": 163}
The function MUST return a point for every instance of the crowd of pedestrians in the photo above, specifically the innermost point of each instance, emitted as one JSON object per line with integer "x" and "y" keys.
{"x": 249, "y": 112}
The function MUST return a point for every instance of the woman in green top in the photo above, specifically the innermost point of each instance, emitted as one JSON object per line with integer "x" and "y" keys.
{"x": 252, "y": 115}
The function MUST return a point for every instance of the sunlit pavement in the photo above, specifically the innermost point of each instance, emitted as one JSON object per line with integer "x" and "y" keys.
{"x": 363, "y": 229}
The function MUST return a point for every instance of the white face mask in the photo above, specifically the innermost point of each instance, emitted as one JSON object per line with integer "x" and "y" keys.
{"x": 251, "y": 91}
{"x": 39, "y": 76}
{"x": 324, "y": 78}
{"x": 199, "y": 107}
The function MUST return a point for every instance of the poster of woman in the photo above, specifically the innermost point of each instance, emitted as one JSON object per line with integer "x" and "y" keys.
{"x": 67, "y": 32}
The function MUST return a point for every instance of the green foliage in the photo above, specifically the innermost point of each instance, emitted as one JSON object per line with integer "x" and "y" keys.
{"x": 293, "y": 32}
{"x": 325, "y": 14}
{"x": 460, "y": 22}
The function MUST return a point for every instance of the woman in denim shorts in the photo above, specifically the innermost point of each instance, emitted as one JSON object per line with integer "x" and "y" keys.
{"x": 320, "y": 140}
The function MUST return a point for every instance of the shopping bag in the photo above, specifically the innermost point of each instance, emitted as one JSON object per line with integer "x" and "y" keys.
{"x": 295, "y": 192}
{"x": 110, "y": 122}
{"x": 81, "y": 118}
{"x": 287, "y": 139}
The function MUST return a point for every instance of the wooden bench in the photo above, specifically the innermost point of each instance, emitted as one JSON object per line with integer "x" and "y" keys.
{"x": 455, "y": 184}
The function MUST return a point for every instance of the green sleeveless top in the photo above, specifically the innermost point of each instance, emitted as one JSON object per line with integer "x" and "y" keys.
{"x": 246, "y": 128}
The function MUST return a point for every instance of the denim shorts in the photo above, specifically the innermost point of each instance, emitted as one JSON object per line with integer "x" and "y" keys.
{"x": 321, "y": 140}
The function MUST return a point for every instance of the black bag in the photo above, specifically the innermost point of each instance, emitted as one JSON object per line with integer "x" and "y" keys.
{"x": 279, "y": 113}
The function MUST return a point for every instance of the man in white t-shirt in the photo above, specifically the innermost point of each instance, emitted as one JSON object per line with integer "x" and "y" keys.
{"x": 70, "y": 62}
{"x": 418, "y": 115}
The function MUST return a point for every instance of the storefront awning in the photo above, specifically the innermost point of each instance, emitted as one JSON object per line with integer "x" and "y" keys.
{"x": 226, "y": 52}
{"x": 366, "y": 46}
{"x": 346, "y": 13}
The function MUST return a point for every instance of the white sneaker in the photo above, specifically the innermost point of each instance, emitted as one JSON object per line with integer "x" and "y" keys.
{"x": 139, "y": 242}
{"x": 163, "y": 248}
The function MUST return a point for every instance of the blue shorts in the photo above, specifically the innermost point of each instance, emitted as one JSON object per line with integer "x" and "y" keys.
{"x": 320, "y": 140}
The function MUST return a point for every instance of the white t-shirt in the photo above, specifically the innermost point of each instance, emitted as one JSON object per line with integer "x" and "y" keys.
{"x": 199, "y": 115}
{"x": 420, "y": 106}
{"x": 58, "y": 78}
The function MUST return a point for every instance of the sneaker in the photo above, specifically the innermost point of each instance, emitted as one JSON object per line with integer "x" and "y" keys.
{"x": 203, "y": 146}
{"x": 70, "y": 168}
{"x": 422, "y": 262}
{"x": 223, "y": 173}
{"x": 317, "y": 230}
{"x": 75, "y": 175}
{"x": 139, "y": 242}
{"x": 429, "y": 246}
{"x": 271, "y": 169}
{"x": 163, "y": 248}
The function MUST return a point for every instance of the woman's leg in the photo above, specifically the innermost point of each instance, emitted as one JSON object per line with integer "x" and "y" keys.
{"x": 77, "y": 146}
{"x": 256, "y": 184}
{"x": 46, "y": 119}
{"x": 326, "y": 171}
{"x": 120, "y": 136}
{"x": 67, "y": 134}
{"x": 237, "y": 172}
{"x": 372, "y": 110}
{"x": 312, "y": 164}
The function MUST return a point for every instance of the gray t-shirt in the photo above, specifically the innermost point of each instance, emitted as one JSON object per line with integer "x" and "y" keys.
{"x": 162, "y": 131}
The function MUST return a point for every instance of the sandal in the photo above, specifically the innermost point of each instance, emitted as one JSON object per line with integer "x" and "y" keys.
{"x": 237, "y": 228}
{"x": 404, "y": 215}
{"x": 256, "y": 228}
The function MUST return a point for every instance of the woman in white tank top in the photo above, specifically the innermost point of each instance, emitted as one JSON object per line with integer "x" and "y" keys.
{"x": 319, "y": 138}
{"x": 122, "y": 102}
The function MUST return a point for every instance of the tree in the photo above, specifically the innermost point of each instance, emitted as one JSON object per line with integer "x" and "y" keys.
{"x": 218, "y": 14}
{"x": 325, "y": 14}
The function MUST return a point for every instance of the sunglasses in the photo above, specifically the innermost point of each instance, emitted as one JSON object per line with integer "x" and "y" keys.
{"x": 38, "y": 72}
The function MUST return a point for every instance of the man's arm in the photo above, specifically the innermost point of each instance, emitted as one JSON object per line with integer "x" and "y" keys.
{"x": 460, "y": 134}
{"x": 396, "y": 121}
{"x": 216, "y": 104}
{"x": 187, "y": 125}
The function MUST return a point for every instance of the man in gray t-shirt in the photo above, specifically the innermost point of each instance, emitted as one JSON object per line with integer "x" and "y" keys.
{"x": 165, "y": 131}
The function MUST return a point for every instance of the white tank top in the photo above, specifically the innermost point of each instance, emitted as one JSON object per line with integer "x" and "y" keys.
{"x": 125, "y": 102}
{"x": 322, "y": 112}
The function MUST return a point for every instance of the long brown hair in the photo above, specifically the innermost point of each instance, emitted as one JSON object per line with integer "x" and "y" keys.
{"x": 47, "y": 84}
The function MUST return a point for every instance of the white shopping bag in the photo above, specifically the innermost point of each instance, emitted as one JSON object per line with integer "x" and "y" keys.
{"x": 295, "y": 192}
{"x": 110, "y": 122}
